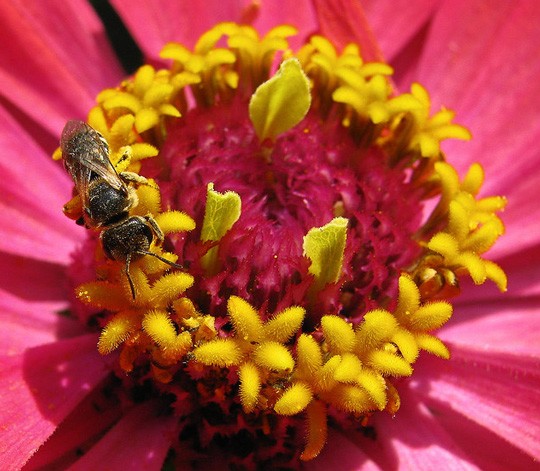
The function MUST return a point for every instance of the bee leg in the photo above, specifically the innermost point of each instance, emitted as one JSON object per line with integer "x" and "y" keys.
{"x": 159, "y": 257}
{"x": 131, "y": 285}
{"x": 157, "y": 230}
{"x": 135, "y": 178}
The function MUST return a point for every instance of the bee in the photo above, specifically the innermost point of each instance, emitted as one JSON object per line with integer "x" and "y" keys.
{"x": 107, "y": 197}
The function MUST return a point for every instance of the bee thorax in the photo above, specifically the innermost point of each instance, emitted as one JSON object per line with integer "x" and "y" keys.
{"x": 127, "y": 239}
{"x": 106, "y": 205}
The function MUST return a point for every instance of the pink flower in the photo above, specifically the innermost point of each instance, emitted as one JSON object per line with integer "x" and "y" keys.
{"x": 477, "y": 410}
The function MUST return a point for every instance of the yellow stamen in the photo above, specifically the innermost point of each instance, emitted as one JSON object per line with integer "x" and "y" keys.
{"x": 250, "y": 385}
{"x": 294, "y": 400}
{"x": 117, "y": 331}
{"x": 338, "y": 334}
{"x": 273, "y": 356}
{"x": 220, "y": 352}
{"x": 284, "y": 324}
{"x": 245, "y": 319}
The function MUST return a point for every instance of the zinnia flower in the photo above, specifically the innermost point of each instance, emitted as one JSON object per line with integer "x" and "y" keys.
{"x": 297, "y": 237}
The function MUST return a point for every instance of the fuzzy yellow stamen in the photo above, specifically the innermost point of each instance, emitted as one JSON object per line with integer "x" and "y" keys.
{"x": 170, "y": 287}
{"x": 294, "y": 400}
{"x": 375, "y": 385}
{"x": 273, "y": 356}
{"x": 102, "y": 294}
{"x": 349, "y": 368}
{"x": 117, "y": 331}
{"x": 309, "y": 356}
{"x": 284, "y": 324}
{"x": 245, "y": 319}
{"x": 220, "y": 352}
{"x": 174, "y": 221}
{"x": 351, "y": 399}
{"x": 338, "y": 334}
{"x": 160, "y": 328}
{"x": 316, "y": 430}
{"x": 250, "y": 385}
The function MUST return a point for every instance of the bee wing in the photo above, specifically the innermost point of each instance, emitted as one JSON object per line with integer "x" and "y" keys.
{"x": 86, "y": 155}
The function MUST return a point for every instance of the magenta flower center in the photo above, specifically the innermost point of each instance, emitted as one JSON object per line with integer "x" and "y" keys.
{"x": 311, "y": 173}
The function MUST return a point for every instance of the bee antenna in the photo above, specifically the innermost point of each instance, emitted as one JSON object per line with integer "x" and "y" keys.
{"x": 164, "y": 260}
{"x": 131, "y": 285}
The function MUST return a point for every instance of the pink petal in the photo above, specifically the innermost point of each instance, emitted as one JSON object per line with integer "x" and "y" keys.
{"x": 522, "y": 214}
{"x": 139, "y": 441}
{"x": 497, "y": 391}
{"x": 55, "y": 58}
{"x": 508, "y": 326}
{"x": 482, "y": 61}
{"x": 156, "y": 22}
{"x": 31, "y": 317}
{"x": 395, "y": 22}
{"x": 33, "y": 189}
{"x": 299, "y": 14}
{"x": 41, "y": 387}
{"x": 340, "y": 452}
{"x": 489, "y": 451}
{"x": 86, "y": 423}
{"x": 345, "y": 22}
{"x": 414, "y": 439}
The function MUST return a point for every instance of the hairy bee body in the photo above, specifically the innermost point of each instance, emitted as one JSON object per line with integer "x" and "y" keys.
{"x": 107, "y": 197}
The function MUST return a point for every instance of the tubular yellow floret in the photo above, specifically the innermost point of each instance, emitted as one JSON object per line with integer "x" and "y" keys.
{"x": 338, "y": 334}
{"x": 219, "y": 352}
{"x": 325, "y": 377}
{"x": 408, "y": 298}
{"x": 294, "y": 400}
{"x": 158, "y": 325}
{"x": 169, "y": 287}
{"x": 406, "y": 343}
{"x": 375, "y": 385}
{"x": 309, "y": 356}
{"x": 316, "y": 430}
{"x": 433, "y": 345}
{"x": 250, "y": 385}
{"x": 284, "y": 324}
{"x": 174, "y": 221}
{"x": 351, "y": 398}
{"x": 377, "y": 327}
{"x": 149, "y": 200}
{"x": 273, "y": 356}
{"x": 430, "y": 316}
{"x": 348, "y": 369}
{"x": 496, "y": 274}
{"x": 140, "y": 282}
{"x": 102, "y": 294}
{"x": 388, "y": 363}
{"x": 245, "y": 319}
{"x": 117, "y": 331}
